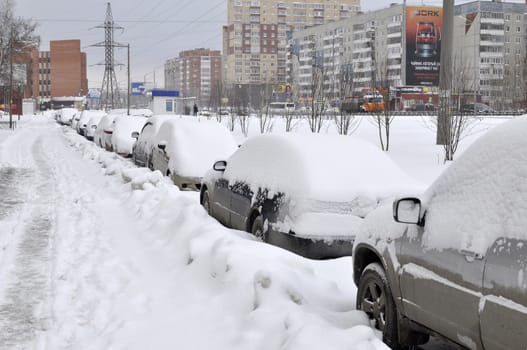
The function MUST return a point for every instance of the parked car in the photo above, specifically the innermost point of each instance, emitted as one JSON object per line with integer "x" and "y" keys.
{"x": 453, "y": 262}
{"x": 75, "y": 120}
{"x": 419, "y": 107}
{"x": 66, "y": 115}
{"x": 480, "y": 108}
{"x": 103, "y": 134}
{"x": 145, "y": 143}
{"x": 204, "y": 113}
{"x": 122, "y": 130}
{"x": 136, "y": 112}
{"x": 93, "y": 123}
{"x": 85, "y": 116}
{"x": 305, "y": 193}
{"x": 187, "y": 147}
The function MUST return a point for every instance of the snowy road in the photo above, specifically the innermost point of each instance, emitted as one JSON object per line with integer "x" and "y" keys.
{"x": 98, "y": 254}
{"x": 27, "y": 217}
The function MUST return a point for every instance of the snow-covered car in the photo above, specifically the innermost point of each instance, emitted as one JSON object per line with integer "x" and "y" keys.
{"x": 85, "y": 116}
{"x": 187, "y": 148}
{"x": 136, "y": 112}
{"x": 204, "y": 113}
{"x": 103, "y": 134}
{"x": 305, "y": 193}
{"x": 453, "y": 262}
{"x": 145, "y": 144}
{"x": 93, "y": 123}
{"x": 122, "y": 130}
{"x": 66, "y": 115}
{"x": 75, "y": 120}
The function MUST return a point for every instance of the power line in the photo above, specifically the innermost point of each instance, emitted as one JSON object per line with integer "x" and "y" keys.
{"x": 157, "y": 21}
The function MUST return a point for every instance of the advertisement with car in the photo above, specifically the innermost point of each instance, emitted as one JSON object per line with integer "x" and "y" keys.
{"x": 423, "y": 45}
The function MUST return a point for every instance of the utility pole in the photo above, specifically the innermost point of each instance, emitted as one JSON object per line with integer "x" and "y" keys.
{"x": 11, "y": 80}
{"x": 445, "y": 75}
{"x": 128, "y": 98}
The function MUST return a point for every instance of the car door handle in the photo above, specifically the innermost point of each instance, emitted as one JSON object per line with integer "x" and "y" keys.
{"x": 470, "y": 255}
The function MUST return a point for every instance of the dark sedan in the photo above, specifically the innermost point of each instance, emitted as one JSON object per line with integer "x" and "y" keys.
{"x": 304, "y": 193}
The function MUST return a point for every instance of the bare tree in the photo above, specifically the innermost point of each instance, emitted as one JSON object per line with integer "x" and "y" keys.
{"x": 318, "y": 102}
{"x": 217, "y": 93}
{"x": 382, "y": 117}
{"x": 15, "y": 34}
{"x": 461, "y": 122}
{"x": 345, "y": 120}
{"x": 244, "y": 124}
{"x": 263, "y": 114}
{"x": 514, "y": 84}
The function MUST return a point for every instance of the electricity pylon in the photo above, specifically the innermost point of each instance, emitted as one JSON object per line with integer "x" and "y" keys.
{"x": 110, "y": 97}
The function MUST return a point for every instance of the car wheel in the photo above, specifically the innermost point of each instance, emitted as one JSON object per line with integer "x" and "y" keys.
{"x": 257, "y": 228}
{"x": 205, "y": 202}
{"x": 374, "y": 297}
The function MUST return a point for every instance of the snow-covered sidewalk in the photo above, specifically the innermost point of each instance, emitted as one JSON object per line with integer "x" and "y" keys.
{"x": 98, "y": 254}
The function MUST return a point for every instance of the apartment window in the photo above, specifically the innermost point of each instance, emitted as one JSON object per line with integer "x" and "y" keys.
{"x": 518, "y": 29}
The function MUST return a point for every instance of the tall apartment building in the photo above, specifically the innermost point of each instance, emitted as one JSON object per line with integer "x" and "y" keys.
{"x": 255, "y": 38}
{"x": 386, "y": 47}
{"x": 490, "y": 51}
{"x": 61, "y": 71}
{"x": 361, "y": 44}
{"x": 195, "y": 73}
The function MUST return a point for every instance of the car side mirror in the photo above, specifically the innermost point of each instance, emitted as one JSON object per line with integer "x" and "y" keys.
{"x": 407, "y": 211}
{"x": 135, "y": 135}
{"x": 220, "y": 165}
{"x": 162, "y": 145}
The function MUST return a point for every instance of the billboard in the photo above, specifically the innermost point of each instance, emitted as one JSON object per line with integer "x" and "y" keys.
{"x": 138, "y": 89}
{"x": 423, "y": 45}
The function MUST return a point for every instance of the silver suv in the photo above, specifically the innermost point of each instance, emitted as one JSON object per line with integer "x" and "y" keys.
{"x": 453, "y": 263}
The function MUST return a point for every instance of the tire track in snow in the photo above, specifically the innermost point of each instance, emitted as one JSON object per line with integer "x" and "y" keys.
{"x": 23, "y": 310}
{"x": 9, "y": 191}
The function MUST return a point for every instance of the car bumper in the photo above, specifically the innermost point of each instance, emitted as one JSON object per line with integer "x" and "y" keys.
{"x": 187, "y": 183}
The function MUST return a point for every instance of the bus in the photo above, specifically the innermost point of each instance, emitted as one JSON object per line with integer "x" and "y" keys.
{"x": 281, "y": 107}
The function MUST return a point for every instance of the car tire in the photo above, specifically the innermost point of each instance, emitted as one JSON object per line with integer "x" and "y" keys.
{"x": 257, "y": 228}
{"x": 205, "y": 202}
{"x": 374, "y": 297}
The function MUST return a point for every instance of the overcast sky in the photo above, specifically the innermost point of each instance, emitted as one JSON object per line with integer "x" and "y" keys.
{"x": 156, "y": 29}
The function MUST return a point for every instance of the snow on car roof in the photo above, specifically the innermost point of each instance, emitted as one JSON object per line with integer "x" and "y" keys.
{"x": 194, "y": 145}
{"x": 138, "y": 112}
{"x": 482, "y": 196}
{"x": 87, "y": 114}
{"x": 316, "y": 166}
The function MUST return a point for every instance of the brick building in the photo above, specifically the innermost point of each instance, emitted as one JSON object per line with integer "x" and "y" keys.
{"x": 195, "y": 73}
{"x": 59, "y": 72}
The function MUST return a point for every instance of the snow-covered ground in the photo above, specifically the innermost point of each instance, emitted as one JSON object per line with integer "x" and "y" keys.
{"x": 96, "y": 253}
